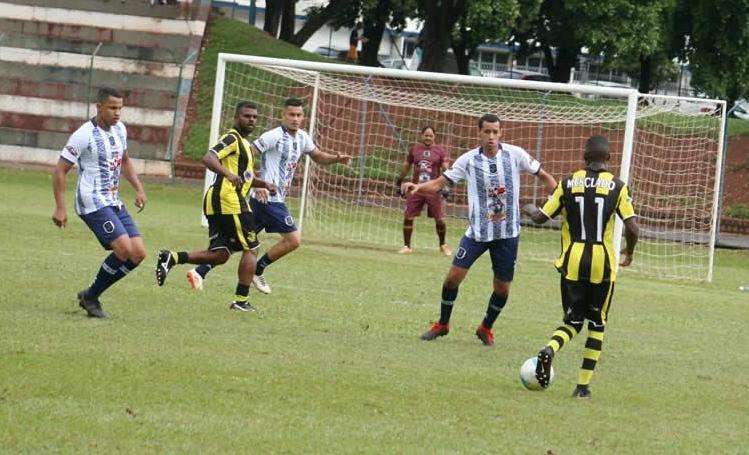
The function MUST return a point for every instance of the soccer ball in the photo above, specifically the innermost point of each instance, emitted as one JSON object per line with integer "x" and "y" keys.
{"x": 528, "y": 375}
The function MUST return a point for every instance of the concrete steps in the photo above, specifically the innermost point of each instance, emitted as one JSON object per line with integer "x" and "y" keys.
{"x": 45, "y": 56}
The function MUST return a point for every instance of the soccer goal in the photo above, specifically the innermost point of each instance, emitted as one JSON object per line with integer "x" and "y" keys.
{"x": 668, "y": 149}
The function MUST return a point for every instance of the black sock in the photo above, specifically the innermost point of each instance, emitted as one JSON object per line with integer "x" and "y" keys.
{"x": 446, "y": 307}
{"x": 264, "y": 262}
{"x": 182, "y": 257}
{"x": 496, "y": 303}
{"x": 242, "y": 292}
{"x": 111, "y": 271}
{"x": 203, "y": 269}
{"x": 441, "y": 231}
{"x": 408, "y": 230}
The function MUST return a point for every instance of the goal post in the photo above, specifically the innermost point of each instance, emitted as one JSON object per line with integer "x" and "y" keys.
{"x": 666, "y": 148}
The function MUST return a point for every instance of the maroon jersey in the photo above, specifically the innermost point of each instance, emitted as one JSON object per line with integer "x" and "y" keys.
{"x": 427, "y": 161}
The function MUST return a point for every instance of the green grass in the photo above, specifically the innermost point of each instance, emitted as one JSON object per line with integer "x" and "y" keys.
{"x": 738, "y": 127}
{"x": 332, "y": 363}
{"x": 738, "y": 211}
{"x": 230, "y": 36}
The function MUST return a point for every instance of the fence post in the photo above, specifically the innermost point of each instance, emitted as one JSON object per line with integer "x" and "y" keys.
{"x": 90, "y": 80}
{"x": 173, "y": 130}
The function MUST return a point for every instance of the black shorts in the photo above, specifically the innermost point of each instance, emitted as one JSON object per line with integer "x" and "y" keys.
{"x": 233, "y": 232}
{"x": 583, "y": 300}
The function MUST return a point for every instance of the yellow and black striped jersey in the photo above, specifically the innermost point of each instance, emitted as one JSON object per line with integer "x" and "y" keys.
{"x": 588, "y": 200}
{"x": 222, "y": 198}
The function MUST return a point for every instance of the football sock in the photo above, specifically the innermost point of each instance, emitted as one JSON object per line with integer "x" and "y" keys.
{"x": 264, "y": 262}
{"x": 496, "y": 303}
{"x": 563, "y": 334}
{"x": 441, "y": 231}
{"x": 408, "y": 229}
{"x": 203, "y": 269}
{"x": 591, "y": 354}
{"x": 242, "y": 292}
{"x": 111, "y": 271}
{"x": 446, "y": 308}
{"x": 182, "y": 257}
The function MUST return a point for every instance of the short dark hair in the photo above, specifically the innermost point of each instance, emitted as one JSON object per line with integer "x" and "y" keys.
{"x": 596, "y": 149}
{"x": 488, "y": 118}
{"x": 428, "y": 127}
{"x": 106, "y": 92}
{"x": 296, "y": 102}
{"x": 244, "y": 104}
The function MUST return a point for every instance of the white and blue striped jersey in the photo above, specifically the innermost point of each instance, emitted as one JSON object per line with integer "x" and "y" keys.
{"x": 281, "y": 152}
{"x": 493, "y": 190}
{"x": 98, "y": 154}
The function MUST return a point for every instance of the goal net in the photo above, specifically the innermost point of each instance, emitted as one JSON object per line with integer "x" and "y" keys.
{"x": 668, "y": 149}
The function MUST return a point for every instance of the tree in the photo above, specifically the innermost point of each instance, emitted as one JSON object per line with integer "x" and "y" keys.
{"x": 440, "y": 17}
{"x": 562, "y": 29}
{"x": 336, "y": 13}
{"x": 716, "y": 48}
{"x": 273, "y": 10}
{"x": 377, "y": 15}
{"x": 483, "y": 21}
{"x": 288, "y": 20}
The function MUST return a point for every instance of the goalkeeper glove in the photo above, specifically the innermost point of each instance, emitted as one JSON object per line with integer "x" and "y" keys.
{"x": 445, "y": 193}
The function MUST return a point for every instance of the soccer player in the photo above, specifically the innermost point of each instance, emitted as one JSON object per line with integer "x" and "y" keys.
{"x": 99, "y": 149}
{"x": 492, "y": 172}
{"x": 428, "y": 161}
{"x": 231, "y": 225}
{"x": 281, "y": 149}
{"x": 587, "y": 200}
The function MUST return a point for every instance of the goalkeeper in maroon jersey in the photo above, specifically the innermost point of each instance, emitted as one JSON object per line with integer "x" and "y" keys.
{"x": 428, "y": 160}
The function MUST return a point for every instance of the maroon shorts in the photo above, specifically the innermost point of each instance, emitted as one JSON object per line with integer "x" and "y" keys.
{"x": 434, "y": 203}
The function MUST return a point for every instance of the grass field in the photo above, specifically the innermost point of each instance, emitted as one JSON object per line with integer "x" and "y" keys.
{"x": 332, "y": 363}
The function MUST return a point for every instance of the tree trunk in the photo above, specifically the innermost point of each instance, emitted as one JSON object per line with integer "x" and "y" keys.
{"x": 373, "y": 33}
{"x": 287, "y": 20}
{"x": 462, "y": 55}
{"x": 646, "y": 74}
{"x": 314, "y": 22}
{"x": 439, "y": 21}
{"x": 273, "y": 9}
{"x": 559, "y": 67}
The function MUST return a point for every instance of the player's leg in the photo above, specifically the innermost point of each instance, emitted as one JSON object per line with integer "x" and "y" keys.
{"x": 408, "y": 230}
{"x": 113, "y": 228}
{"x": 276, "y": 218}
{"x": 467, "y": 253}
{"x": 246, "y": 241}
{"x": 598, "y": 302}
{"x": 436, "y": 210}
{"x": 503, "y": 254}
{"x": 573, "y": 305}
{"x": 414, "y": 205}
{"x": 216, "y": 254}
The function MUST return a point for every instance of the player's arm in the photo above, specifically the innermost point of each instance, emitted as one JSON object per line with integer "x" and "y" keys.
{"x": 536, "y": 214}
{"x": 550, "y": 209}
{"x": 631, "y": 234}
{"x": 260, "y": 183}
{"x": 60, "y": 216}
{"x": 626, "y": 212}
{"x": 432, "y": 186}
{"x": 403, "y": 173}
{"x": 128, "y": 170}
{"x": 320, "y": 157}
{"x": 445, "y": 192}
{"x": 548, "y": 180}
{"x": 211, "y": 161}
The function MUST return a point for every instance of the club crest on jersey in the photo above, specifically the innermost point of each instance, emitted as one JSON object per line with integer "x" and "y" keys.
{"x": 493, "y": 168}
{"x": 427, "y": 153}
{"x": 111, "y": 141}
